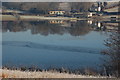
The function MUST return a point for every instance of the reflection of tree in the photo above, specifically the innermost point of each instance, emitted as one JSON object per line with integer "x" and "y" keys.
{"x": 45, "y": 28}
{"x": 80, "y": 28}
{"x": 112, "y": 65}
{"x": 13, "y": 26}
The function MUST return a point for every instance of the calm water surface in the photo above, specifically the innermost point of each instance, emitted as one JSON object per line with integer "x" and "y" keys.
{"x": 53, "y": 44}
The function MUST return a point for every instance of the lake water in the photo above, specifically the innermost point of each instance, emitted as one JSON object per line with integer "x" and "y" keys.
{"x": 69, "y": 44}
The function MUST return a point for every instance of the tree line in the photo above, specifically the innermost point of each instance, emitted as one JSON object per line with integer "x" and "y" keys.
{"x": 44, "y": 7}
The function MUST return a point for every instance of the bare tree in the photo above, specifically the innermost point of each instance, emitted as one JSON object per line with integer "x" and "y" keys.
{"x": 112, "y": 64}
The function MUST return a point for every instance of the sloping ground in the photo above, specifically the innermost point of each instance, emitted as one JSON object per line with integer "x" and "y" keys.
{"x": 11, "y": 11}
{"x": 33, "y": 17}
{"x": 112, "y": 7}
{"x": 26, "y": 74}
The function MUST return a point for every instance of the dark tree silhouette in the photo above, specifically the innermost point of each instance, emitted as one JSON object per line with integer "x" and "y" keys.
{"x": 46, "y": 6}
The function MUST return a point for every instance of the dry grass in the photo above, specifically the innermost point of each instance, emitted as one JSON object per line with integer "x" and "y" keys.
{"x": 5, "y": 73}
{"x": 33, "y": 17}
{"x": 8, "y": 17}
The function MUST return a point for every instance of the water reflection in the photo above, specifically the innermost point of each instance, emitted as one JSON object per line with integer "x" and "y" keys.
{"x": 75, "y": 28}
{"x": 56, "y": 42}
{"x": 48, "y": 27}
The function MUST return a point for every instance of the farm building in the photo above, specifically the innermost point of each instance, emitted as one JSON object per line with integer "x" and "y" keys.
{"x": 57, "y": 12}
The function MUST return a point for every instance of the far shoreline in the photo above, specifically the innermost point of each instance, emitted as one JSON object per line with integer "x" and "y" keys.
{"x": 35, "y": 17}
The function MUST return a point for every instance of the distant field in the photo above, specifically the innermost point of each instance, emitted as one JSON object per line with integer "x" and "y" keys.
{"x": 8, "y": 17}
{"x": 31, "y": 17}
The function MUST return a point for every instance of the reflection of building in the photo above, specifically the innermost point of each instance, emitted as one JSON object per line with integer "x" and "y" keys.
{"x": 56, "y": 22}
{"x": 90, "y": 21}
{"x": 91, "y": 14}
{"x": 57, "y": 12}
{"x": 99, "y": 24}
{"x": 106, "y": 26}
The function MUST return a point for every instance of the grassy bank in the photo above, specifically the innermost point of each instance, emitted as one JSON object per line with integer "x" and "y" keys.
{"x": 35, "y": 17}
{"x": 8, "y": 17}
{"x": 5, "y": 73}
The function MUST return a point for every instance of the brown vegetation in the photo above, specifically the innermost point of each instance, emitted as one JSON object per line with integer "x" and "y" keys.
{"x": 44, "y": 74}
